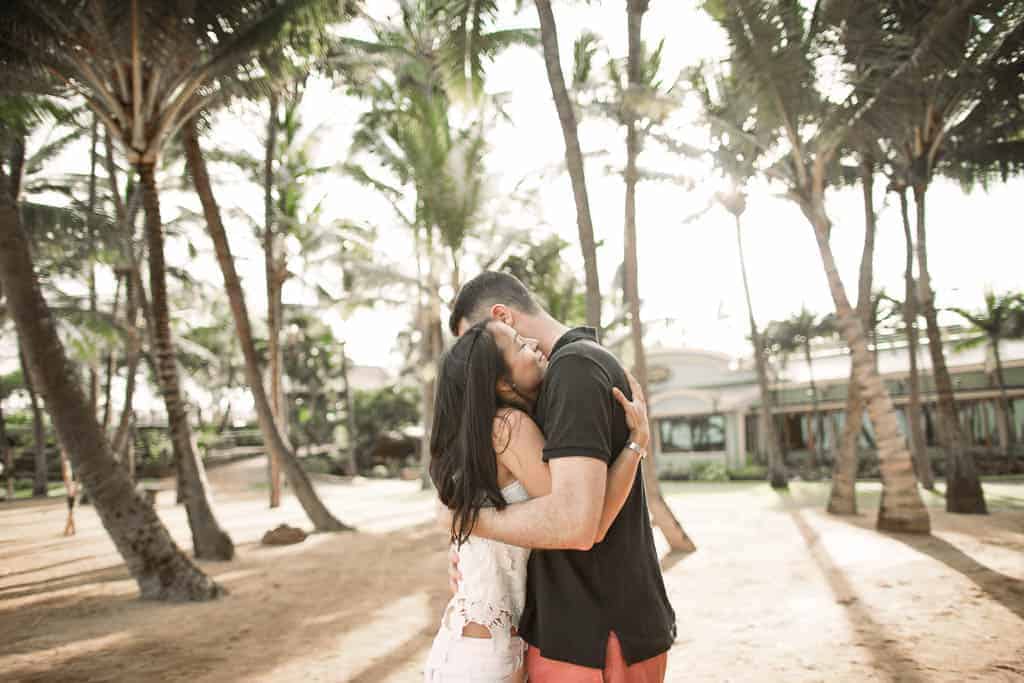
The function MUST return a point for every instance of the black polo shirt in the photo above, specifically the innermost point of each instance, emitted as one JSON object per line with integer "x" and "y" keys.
{"x": 574, "y": 598}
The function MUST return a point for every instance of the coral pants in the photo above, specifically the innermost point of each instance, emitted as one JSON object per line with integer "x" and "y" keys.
{"x": 616, "y": 669}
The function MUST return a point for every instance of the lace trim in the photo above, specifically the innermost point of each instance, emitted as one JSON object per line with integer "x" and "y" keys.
{"x": 498, "y": 618}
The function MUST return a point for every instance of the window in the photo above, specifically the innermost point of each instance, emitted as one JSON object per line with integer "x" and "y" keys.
{"x": 693, "y": 433}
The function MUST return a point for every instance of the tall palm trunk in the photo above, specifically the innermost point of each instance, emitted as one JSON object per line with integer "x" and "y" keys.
{"x": 209, "y": 540}
{"x": 321, "y": 517}
{"x": 818, "y": 429}
{"x": 776, "y": 466}
{"x": 963, "y": 488}
{"x": 159, "y": 567}
{"x": 1006, "y": 430}
{"x": 918, "y": 443}
{"x": 901, "y": 508}
{"x": 661, "y": 513}
{"x": 132, "y": 356}
{"x": 842, "y": 499}
{"x": 135, "y": 298}
{"x": 432, "y": 344}
{"x": 40, "y": 482}
{"x": 109, "y": 364}
{"x": 573, "y": 160}
{"x": 90, "y": 220}
{"x": 274, "y": 287}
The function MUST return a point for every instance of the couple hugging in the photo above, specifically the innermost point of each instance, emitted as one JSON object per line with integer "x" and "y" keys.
{"x": 537, "y": 438}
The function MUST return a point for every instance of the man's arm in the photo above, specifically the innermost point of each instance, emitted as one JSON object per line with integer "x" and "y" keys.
{"x": 578, "y": 417}
{"x": 566, "y": 518}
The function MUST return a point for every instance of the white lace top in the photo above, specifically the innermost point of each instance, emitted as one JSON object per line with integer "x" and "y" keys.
{"x": 492, "y": 592}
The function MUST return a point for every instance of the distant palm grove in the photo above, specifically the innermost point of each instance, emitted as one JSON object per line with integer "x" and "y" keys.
{"x": 124, "y": 361}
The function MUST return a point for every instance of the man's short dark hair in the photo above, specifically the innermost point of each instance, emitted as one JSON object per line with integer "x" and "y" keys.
{"x": 485, "y": 290}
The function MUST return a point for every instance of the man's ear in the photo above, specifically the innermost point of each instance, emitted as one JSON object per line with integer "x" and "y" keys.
{"x": 503, "y": 313}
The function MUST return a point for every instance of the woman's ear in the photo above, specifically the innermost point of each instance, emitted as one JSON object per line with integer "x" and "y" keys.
{"x": 505, "y": 391}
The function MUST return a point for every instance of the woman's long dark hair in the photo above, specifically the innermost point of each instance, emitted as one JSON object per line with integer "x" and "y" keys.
{"x": 463, "y": 463}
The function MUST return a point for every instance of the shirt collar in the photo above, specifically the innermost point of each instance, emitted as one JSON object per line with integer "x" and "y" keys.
{"x": 575, "y": 334}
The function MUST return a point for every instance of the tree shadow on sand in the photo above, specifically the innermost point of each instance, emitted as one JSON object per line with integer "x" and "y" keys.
{"x": 1006, "y": 590}
{"x": 296, "y": 605}
{"x": 885, "y": 651}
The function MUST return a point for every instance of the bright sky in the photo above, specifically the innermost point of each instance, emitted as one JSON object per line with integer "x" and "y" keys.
{"x": 689, "y": 273}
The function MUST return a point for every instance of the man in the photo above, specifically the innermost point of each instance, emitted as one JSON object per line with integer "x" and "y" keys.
{"x": 594, "y": 612}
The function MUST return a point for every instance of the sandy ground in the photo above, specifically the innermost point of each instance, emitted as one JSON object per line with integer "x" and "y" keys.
{"x": 778, "y": 591}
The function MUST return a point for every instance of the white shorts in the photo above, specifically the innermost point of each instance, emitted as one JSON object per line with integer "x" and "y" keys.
{"x": 455, "y": 658}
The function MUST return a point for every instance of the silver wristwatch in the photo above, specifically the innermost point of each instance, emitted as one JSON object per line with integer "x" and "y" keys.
{"x": 637, "y": 448}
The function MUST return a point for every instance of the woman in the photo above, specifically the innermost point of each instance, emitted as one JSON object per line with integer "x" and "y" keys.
{"x": 486, "y": 451}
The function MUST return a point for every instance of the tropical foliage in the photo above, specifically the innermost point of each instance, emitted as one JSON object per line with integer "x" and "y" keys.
{"x": 133, "y": 135}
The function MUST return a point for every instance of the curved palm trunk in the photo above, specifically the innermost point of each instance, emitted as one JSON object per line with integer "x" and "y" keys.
{"x": 776, "y": 465}
{"x": 918, "y": 443}
{"x": 160, "y": 568}
{"x": 661, "y": 513}
{"x": 901, "y": 508}
{"x": 842, "y": 499}
{"x": 209, "y": 540}
{"x": 40, "y": 483}
{"x": 274, "y": 286}
{"x": 573, "y": 159}
{"x": 963, "y": 488}
{"x": 321, "y": 517}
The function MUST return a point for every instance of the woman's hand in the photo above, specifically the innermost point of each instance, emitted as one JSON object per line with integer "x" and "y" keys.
{"x": 636, "y": 412}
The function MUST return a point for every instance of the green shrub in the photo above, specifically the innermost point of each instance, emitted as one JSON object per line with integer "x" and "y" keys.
{"x": 318, "y": 464}
{"x": 703, "y": 470}
{"x": 748, "y": 473}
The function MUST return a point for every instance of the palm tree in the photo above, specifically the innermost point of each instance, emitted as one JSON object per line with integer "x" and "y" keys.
{"x": 991, "y": 326}
{"x": 62, "y": 237}
{"x": 127, "y": 204}
{"x": 662, "y": 515}
{"x": 842, "y": 498}
{"x": 544, "y": 272}
{"x": 283, "y": 191}
{"x": 419, "y": 64}
{"x": 161, "y": 570}
{"x": 915, "y": 422}
{"x": 736, "y": 146}
{"x": 797, "y": 334}
{"x": 143, "y": 97}
{"x": 773, "y": 46}
{"x": 322, "y": 519}
{"x": 958, "y": 99}
{"x": 573, "y": 159}
{"x": 736, "y": 205}
{"x": 40, "y": 486}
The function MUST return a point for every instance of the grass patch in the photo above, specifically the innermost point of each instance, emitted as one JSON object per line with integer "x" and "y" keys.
{"x": 25, "y": 492}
